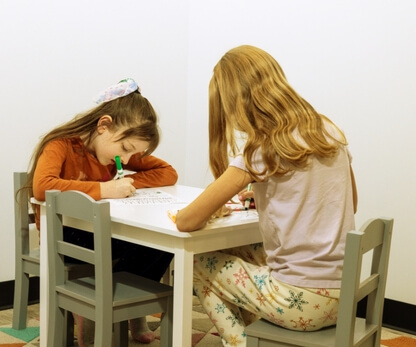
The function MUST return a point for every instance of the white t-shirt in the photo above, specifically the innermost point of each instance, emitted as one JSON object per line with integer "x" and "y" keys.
{"x": 304, "y": 217}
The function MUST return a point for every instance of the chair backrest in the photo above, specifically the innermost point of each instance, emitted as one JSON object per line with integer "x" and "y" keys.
{"x": 374, "y": 235}
{"x": 23, "y": 219}
{"x": 96, "y": 214}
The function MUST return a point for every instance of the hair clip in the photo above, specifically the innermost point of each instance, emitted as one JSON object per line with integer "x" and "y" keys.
{"x": 122, "y": 88}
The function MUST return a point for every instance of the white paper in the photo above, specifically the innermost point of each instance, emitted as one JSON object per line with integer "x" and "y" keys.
{"x": 147, "y": 197}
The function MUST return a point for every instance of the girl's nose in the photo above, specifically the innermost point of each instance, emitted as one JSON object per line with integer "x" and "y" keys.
{"x": 125, "y": 159}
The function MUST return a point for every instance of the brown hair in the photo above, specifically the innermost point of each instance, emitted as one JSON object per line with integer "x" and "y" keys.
{"x": 132, "y": 111}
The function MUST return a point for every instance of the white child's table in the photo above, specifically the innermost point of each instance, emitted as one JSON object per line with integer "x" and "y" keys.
{"x": 148, "y": 224}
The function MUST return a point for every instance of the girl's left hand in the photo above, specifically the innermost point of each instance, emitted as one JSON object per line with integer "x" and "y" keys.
{"x": 222, "y": 212}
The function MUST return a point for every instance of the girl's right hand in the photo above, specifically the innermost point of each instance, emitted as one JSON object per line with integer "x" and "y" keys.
{"x": 244, "y": 194}
{"x": 115, "y": 189}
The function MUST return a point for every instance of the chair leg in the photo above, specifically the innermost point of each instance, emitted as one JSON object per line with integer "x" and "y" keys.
{"x": 56, "y": 328}
{"x": 103, "y": 330}
{"x": 121, "y": 334}
{"x": 20, "y": 301}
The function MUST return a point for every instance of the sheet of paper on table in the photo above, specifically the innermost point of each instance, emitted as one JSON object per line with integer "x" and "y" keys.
{"x": 147, "y": 197}
{"x": 236, "y": 216}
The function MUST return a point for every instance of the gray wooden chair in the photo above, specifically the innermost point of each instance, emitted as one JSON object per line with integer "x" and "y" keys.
{"x": 109, "y": 299}
{"x": 27, "y": 260}
{"x": 350, "y": 330}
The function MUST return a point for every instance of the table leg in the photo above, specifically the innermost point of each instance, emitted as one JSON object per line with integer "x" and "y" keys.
{"x": 182, "y": 302}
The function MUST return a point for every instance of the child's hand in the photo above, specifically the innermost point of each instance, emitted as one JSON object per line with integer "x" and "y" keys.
{"x": 222, "y": 212}
{"x": 244, "y": 194}
{"x": 121, "y": 188}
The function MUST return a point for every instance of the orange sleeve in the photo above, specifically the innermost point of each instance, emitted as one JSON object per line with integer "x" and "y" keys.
{"x": 151, "y": 172}
{"x": 58, "y": 168}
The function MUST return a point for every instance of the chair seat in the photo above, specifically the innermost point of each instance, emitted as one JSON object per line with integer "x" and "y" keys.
{"x": 321, "y": 338}
{"x": 268, "y": 331}
{"x": 128, "y": 289}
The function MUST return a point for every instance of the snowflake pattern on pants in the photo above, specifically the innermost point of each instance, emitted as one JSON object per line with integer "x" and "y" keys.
{"x": 235, "y": 287}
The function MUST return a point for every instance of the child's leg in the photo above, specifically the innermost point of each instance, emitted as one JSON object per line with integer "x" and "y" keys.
{"x": 140, "y": 331}
{"x": 227, "y": 286}
{"x": 140, "y": 260}
{"x": 215, "y": 289}
{"x": 85, "y": 330}
{"x": 253, "y": 254}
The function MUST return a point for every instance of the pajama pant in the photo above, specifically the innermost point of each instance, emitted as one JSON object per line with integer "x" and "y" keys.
{"x": 235, "y": 288}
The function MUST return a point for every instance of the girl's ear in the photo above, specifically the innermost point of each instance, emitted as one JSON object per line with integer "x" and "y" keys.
{"x": 104, "y": 123}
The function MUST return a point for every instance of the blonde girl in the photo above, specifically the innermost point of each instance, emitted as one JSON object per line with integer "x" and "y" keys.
{"x": 300, "y": 169}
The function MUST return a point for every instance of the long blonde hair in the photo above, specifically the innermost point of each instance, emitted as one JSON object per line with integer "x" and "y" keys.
{"x": 132, "y": 111}
{"x": 249, "y": 93}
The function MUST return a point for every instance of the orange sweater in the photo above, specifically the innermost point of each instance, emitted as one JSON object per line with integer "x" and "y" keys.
{"x": 65, "y": 164}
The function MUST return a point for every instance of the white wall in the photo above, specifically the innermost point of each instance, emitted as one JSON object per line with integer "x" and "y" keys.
{"x": 56, "y": 56}
{"x": 353, "y": 60}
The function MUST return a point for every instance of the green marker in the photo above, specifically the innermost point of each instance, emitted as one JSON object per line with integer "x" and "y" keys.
{"x": 120, "y": 173}
{"x": 248, "y": 200}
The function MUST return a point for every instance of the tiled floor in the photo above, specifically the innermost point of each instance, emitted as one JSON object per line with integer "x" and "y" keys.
{"x": 204, "y": 333}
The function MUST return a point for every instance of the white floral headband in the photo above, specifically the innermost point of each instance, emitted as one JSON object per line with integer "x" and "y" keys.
{"x": 122, "y": 88}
